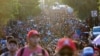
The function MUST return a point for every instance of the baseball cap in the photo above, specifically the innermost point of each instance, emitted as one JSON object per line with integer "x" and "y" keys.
{"x": 32, "y": 33}
{"x": 88, "y": 51}
{"x": 12, "y": 41}
{"x": 9, "y": 37}
{"x": 65, "y": 42}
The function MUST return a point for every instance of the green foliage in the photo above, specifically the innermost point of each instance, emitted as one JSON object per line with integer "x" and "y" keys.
{"x": 12, "y": 9}
{"x": 5, "y": 11}
{"x": 28, "y": 8}
{"x": 17, "y": 9}
{"x": 83, "y": 7}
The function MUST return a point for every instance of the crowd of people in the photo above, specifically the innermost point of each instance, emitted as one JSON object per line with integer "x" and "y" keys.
{"x": 19, "y": 30}
{"x": 64, "y": 47}
{"x": 53, "y": 33}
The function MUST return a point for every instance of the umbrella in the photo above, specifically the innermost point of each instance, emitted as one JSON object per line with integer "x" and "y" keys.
{"x": 96, "y": 40}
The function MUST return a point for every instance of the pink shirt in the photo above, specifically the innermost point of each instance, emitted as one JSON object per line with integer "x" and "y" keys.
{"x": 28, "y": 52}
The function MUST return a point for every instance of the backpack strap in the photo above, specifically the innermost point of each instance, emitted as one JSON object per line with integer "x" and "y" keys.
{"x": 22, "y": 51}
{"x": 43, "y": 52}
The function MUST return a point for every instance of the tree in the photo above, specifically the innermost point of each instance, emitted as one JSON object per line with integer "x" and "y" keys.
{"x": 28, "y": 8}
{"x": 82, "y": 7}
{"x": 14, "y": 9}
{"x": 17, "y": 9}
{"x": 5, "y": 13}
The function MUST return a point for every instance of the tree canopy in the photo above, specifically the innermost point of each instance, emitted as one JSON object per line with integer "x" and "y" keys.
{"x": 17, "y": 9}
{"x": 82, "y": 7}
{"x": 28, "y": 8}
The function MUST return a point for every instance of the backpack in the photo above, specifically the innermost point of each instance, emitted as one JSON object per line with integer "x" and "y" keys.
{"x": 43, "y": 51}
{"x": 22, "y": 51}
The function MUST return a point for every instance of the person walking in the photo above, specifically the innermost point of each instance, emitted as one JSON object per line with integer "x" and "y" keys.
{"x": 33, "y": 47}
